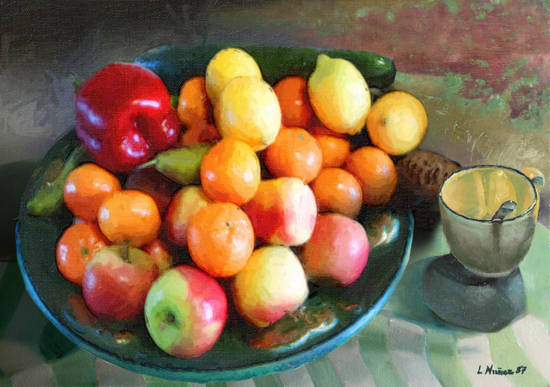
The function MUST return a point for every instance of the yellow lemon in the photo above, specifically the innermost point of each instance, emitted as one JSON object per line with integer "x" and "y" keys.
{"x": 339, "y": 95}
{"x": 397, "y": 123}
{"x": 226, "y": 65}
{"x": 248, "y": 110}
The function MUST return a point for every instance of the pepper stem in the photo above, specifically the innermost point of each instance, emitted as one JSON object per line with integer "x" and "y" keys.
{"x": 76, "y": 80}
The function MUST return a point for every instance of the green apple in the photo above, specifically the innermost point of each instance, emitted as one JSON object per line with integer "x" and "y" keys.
{"x": 185, "y": 311}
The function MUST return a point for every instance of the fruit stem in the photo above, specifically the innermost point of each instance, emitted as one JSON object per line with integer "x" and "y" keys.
{"x": 170, "y": 318}
{"x": 124, "y": 252}
{"x": 148, "y": 164}
{"x": 76, "y": 80}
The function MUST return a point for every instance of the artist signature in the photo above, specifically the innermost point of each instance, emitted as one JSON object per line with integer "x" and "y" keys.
{"x": 492, "y": 370}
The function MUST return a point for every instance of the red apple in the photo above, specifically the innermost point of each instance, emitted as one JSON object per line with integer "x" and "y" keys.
{"x": 185, "y": 311}
{"x": 185, "y": 203}
{"x": 116, "y": 282}
{"x": 283, "y": 211}
{"x": 337, "y": 251}
{"x": 160, "y": 254}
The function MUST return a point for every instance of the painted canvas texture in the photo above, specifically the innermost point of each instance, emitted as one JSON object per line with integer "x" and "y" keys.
{"x": 480, "y": 78}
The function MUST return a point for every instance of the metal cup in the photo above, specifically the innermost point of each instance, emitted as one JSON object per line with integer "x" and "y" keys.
{"x": 467, "y": 200}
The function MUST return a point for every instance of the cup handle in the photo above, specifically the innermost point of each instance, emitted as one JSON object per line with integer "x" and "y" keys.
{"x": 537, "y": 177}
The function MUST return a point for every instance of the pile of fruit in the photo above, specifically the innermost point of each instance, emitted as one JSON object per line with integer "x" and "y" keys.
{"x": 257, "y": 184}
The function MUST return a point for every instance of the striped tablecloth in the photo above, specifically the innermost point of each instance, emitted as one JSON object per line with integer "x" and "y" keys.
{"x": 405, "y": 345}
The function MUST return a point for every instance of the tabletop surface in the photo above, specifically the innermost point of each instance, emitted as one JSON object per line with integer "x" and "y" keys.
{"x": 482, "y": 70}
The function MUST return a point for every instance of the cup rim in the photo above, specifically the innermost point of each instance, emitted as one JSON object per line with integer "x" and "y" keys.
{"x": 524, "y": 213}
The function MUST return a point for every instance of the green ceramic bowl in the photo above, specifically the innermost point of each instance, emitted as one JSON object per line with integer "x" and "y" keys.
{"x": 328, "y": 318}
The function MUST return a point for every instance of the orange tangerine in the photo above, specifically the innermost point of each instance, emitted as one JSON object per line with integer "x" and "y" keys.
{"x": 220, "y": 239}
{"x": 193, "y": 105}
{"x": 86, "y": 188}
{"x": 230, "y": 172}
{"x": 129, "y": 217}
{"x": 376, "y": 173}
{"x": 295, "y": 153}
{"x": 337, "y": 190}
{"x": 295, "y": 107}
{"x": 75, "y": 249}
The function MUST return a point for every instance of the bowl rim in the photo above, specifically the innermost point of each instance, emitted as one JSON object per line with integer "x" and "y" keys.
{"x": 526, "y": 212}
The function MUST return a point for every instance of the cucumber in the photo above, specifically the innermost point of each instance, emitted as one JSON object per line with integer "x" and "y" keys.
{"x": 177, "y": 63}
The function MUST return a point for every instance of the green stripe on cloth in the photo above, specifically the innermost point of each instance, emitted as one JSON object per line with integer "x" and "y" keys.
{"x": 322, "y": 373}
{"x": 77, "y": 366}
{"x": 268, "y": 381}
{"x": 475, "y": 353}
{"x": 159, "y": 382}
{"x": 11, "y": 290}
{"x": 507, "y": 354}
{"x": 373, "y": 348}
{"x": 444, "y": 360}
{"x": 407, "y": 347}
{"x": 296, "y": 377}
{"x": 535, "y": 270}
{"x": 349, "y": 365}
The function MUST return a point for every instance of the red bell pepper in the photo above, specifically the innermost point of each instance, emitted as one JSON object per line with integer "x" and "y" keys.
{"x": 124, "y": 116}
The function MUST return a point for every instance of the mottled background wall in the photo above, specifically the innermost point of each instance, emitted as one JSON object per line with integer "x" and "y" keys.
{"x": 480, "y": 67}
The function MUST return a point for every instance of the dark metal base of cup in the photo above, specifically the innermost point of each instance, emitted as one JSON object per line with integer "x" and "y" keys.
{"x": 469, "y": 300}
